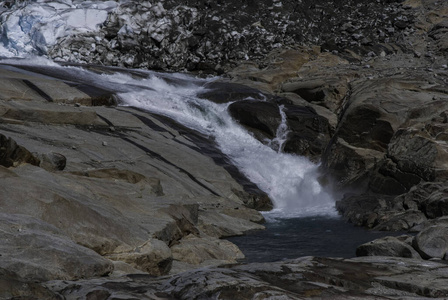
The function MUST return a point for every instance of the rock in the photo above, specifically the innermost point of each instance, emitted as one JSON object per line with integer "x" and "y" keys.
{"x": 226, "y": 223}
{"x": 416, "y": 157}
{"x": 327, "y": 92}
{"x": 129, "y": 202}
{"x": 432, "y": 242}
{"x": 57, "y": 257}
{"x": 309, "y": 132}
{"x": 393, "y": 152}
{"x": 199, "y": 251}
{"x": 428, "y": 197}
{"x": 201, "y": 35}
{"x": 153, "y": 257}
{"x": 12, "y": 154}
{"x": 365, "y": 209}
{"x": 261, "y": 118}
{"x": 53, "y": 161}
{"x": 367, "y": 277}
{"x": 12, "y": 286}
{"x": 388, "y": 246}
{"x": 399, "y": 221}
{"x": 224, "y": 92}
{"x": 349, "y": 164}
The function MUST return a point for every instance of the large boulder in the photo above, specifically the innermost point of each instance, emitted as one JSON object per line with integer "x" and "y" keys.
{"x": 260, "y": 117}
{"x": 432, "y": 242}
{"x": 327, "y": 92}
{"x": 35, "y": 250}
{"x": 428, "y": 197}
{"x": 309, "y": 133}
{"x": 12, "y": 154}
{"x": 386, "y": 124}
{"x": 411, "y": 158}
{"x": 388, "y": 246}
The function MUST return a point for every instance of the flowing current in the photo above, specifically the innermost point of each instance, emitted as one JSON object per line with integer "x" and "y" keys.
{"x": 290, "y": 181}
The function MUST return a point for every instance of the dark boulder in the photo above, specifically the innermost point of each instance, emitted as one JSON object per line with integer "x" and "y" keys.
{"x": 429, "y": 197}
{"x": 410, "y": 160}
{"x": 260, "y": 117}
{"x": 12, "y": 154}
{"x": 326, "y": 92}
{"x": 363, "y": 210}
{"x": 432, "y": 242}
{"x": 53, "y": 161}
{"x": 388, "y": 246}
{"x": 309, "y": 132}
{"x": 363, "y": 127}
{"x": 224, "y": 92}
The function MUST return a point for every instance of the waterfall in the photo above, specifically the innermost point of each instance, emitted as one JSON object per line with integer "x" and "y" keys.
{"x": 290, "y": 181}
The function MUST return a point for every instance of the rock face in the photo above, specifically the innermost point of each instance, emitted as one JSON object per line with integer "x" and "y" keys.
{"x": 58, "y": 257}
{"x": 92, "y": 185}
{"x": 432, "y": 242}
{"x": 303, "y": 278}
{"x": 389, "y": 246}
{"x": 201, "y": 35}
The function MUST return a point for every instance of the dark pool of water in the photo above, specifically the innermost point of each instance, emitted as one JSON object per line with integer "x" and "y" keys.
{"x": 310, "y": 236}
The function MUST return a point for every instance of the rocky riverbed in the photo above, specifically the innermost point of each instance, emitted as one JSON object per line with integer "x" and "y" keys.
{"x": 101, "y": 201}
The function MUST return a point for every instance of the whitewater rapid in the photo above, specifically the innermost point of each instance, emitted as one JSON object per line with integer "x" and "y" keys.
{"x": 290, "y": 181}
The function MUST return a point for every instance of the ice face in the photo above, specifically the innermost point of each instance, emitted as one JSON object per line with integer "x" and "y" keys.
{"x": 33, "y": 27}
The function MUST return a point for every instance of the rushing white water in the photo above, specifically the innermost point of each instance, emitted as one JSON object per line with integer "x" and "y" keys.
{"x": 291, "y": 181}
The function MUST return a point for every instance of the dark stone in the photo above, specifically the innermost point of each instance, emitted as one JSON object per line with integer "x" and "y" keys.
{"x": 261, "y": 118}
{"x": 349, "y": 167}
{"x": 310, "y": 133}
{"x": 388, "y": 179}
{"x": 53, "y": 161}
{"x": 399, "y": 221}
{"x": 388, "y": 246}
{"x": 359, "y": 209}
{"x": 429, "y": 197}
{"x": 222, "y": 92}
{"x": 362, "y": 127}
{"x": 14, "y": 287}
{"x": 255, "y": 199}
{"x": 11, "y": 153}
{"x": 98, "y": 295}
{"x": 432, "y": 242}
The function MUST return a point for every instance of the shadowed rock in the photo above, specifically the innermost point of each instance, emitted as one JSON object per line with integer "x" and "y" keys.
{"x": 12, "y": 154}
{"x": 388, "y": 246}
{"x": 261, "y": 118}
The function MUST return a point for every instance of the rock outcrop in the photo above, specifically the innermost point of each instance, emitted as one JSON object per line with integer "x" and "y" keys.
{"x": 92, "y": 185}
{"x": 302, "y": 278}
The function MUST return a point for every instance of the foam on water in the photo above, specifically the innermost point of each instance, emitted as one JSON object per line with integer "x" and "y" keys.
{"x": 291, "y": 181}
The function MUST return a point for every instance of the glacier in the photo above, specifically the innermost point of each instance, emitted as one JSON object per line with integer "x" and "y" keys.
{"x": 32, "y": 27}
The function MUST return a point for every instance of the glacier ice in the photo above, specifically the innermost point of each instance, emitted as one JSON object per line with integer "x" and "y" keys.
{"x": 31, "y": 27}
